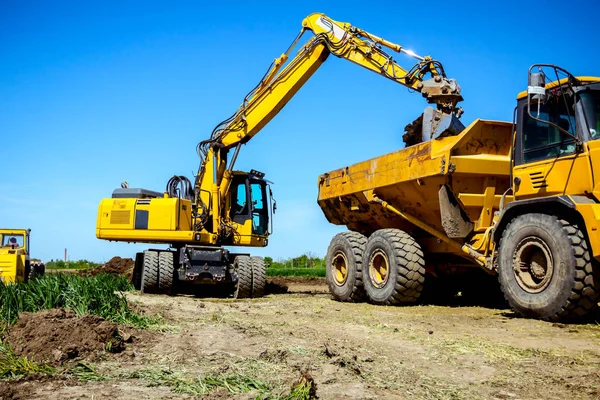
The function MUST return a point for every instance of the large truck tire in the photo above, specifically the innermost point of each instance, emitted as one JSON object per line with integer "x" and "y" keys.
{"x": 136, "y": 277}
{"x": 394, "y": 268}
{"x": 545, "y": 269}
{"x": 150, "y": 272}
{"x": 243, "y": 267}
{"x": 259, "y": 276}
{"x": 166, "y": 270}
{"x": 344, "y": 271}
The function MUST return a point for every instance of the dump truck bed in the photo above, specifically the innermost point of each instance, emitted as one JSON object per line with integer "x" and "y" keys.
{"x": 474, "y": 165}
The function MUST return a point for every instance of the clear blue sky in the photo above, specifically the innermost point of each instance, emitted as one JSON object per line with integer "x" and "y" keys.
{"x": 92, "y": 93}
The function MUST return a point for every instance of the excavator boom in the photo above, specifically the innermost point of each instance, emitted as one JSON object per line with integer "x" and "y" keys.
{"x": 285, "y": 77}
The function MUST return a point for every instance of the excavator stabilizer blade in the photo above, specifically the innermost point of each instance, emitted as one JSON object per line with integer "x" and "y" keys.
{"x": 437, "y": 124}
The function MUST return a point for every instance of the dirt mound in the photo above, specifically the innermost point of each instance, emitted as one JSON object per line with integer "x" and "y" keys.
{"x": 57, "y": 335}
{"x": 115, "y": 266}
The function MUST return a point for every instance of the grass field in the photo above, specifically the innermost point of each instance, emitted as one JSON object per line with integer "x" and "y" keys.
{"x": 299, "y": 272}
{"x": 98, "y": 295}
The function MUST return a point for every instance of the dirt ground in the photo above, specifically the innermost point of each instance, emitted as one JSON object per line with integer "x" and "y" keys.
{"x": 116, "y": 266}
{"x": 352, "y": 351}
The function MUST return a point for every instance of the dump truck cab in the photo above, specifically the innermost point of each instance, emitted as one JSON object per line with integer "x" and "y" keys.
{"x": 556, "y": 157}
{"x": 14, "y": 255}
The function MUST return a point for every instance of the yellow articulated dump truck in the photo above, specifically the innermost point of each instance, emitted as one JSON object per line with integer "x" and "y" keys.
{"x": 519, "y": 200}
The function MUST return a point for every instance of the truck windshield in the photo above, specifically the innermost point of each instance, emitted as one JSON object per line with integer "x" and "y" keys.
{"x": 12, "y": 240}
{"x": 591, "y": 107}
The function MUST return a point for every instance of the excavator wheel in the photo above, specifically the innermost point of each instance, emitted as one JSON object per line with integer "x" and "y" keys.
{"x": 136, "y": 278}
{"x": 259, "y": 276}
{"x": 344, "y": 270}
{"x": 394, "y": 268}
{"x": 545, "y": 268}
{"x": 243, "y": 267}
{"x": 166, "y": 270}
{"x": 150, "y": 271}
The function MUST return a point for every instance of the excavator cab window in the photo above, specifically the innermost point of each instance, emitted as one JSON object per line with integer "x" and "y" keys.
{"x": 260, "y": 207}
{"x": 249, "y": 201}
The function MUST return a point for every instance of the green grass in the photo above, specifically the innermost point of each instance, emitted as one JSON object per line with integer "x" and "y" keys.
{"x": 297, "y": 272}
{"x": 181, "y": 383}
{"x": 12, "y": 366}
{"x": 98, "y": 295}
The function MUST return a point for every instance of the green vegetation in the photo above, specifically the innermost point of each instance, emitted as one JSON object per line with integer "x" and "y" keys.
{"x": 298, "y": 272}
{"x": 308, "y": 260}
{"x": 182, "y": 383}
{"x": 96, "y": 295}
{"x": 306, "y": 265}
{"x": 199, "y": 386}
{"x": 12, "y": 366}
{"x": 77, "y": 264}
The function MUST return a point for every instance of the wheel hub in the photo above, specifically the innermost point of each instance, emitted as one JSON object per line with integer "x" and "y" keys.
{"x": 340, "y": 268}
{"x": 379, "y": 269}
{"x": 533, "y": 264}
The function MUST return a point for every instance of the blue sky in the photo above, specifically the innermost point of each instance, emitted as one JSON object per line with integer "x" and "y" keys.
{"x": 93, "y": 93}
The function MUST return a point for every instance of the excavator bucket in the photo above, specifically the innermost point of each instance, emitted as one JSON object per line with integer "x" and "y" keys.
{"x": 432, "y": 124}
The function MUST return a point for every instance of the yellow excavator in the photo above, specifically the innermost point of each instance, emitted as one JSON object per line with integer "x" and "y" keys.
{"x": 226, "y": 207}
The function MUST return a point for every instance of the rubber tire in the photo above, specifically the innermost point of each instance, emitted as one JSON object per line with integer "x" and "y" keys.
{"x": 259, "y": 277}
{"x": 27, "y": 272}
{"x": 243, "y": 268}
{"x": 574, "y": 288}
{"x": 352, "y": 245}
{"x": 166, "y": 270}
{"x": 136, "y": 277}
{"x": 405, "y": 282}
{"x": 150, "y": 272}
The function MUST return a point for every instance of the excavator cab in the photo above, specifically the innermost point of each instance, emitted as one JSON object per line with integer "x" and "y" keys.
{"x": 250, "y": 204}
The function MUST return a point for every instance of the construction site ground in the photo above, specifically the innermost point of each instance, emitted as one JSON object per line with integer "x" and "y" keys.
{"x": 351, "y": 351}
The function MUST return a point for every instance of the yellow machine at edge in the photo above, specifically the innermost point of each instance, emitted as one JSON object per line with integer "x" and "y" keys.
{"x": 226, "y": 207}
{"x": 14, "y": 255}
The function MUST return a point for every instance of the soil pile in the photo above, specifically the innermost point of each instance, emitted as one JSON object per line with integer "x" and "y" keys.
{"x": 116, "y": 266}
{"x": 413, "y": 132}
{"x": 56, "y": 336}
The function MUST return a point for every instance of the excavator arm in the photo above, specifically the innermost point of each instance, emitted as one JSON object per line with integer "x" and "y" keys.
{"x": 283, "y": 79}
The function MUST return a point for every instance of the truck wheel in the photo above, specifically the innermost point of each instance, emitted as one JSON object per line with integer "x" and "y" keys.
{"x": 136, "y": 278}
{"x": 344, "y": 272}
{"x": 27, "y": 272}
{"x": 243, "y": 267}
{"x": 394, "y": 268}
{"x": 166, "y": 269}
{"x": 545, "y": 269}
{"x": 150, "y": 272}
{"x": 259, "y": 277}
